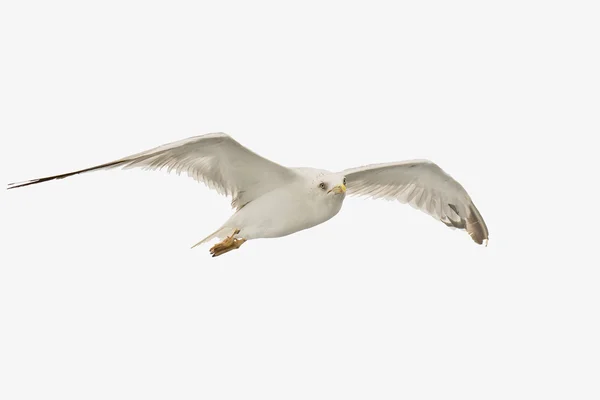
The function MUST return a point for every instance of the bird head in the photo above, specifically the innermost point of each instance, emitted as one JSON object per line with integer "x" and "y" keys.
{"x": 329, "y": 185}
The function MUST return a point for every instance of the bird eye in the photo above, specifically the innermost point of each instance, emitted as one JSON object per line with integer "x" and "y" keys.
{"x": 344, "y": 181}
{"x": 322, "y": 185}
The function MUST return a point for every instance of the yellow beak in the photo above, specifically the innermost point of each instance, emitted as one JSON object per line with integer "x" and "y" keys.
{"x": 339, "y": 189}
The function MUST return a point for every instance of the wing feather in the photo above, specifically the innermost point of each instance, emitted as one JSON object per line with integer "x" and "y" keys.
{"x": 424, "y": 186}
{"x": 215, "y": 159}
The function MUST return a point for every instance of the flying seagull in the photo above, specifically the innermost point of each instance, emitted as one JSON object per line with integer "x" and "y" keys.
{"x": 271, "y": 200}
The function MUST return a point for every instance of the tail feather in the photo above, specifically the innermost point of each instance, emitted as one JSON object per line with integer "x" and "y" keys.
{"x": 220, "y": 233}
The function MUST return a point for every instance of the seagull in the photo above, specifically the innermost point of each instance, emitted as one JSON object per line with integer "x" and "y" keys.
{"x": 271, "y": 200}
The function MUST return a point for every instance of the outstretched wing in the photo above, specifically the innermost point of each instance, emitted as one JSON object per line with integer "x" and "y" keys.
{"x": 424, "y": 186}
{"x": 214, "y": 159}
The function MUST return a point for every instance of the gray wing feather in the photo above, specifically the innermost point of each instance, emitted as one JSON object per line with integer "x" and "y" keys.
{"x": 214, "y": 159}
{"x": 424, "y": 186}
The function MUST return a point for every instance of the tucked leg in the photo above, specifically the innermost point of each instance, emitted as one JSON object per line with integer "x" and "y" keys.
{"x": 230, "y": 243}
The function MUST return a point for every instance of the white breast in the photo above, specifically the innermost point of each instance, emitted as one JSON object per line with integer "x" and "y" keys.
{"x": 283, "y": 211}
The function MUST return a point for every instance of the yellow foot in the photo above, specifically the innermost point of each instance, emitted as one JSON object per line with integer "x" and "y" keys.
{"x": 230, "y": 243}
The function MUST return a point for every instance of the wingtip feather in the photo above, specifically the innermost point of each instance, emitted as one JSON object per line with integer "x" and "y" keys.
{"x": 15, "y": 185}
{"x": 476, "y": 226}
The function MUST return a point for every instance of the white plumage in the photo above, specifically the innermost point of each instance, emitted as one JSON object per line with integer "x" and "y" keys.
{"x": 272, "y": 201}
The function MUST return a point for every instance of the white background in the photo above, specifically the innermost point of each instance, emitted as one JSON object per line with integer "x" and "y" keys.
{"x": 101, "y": 297}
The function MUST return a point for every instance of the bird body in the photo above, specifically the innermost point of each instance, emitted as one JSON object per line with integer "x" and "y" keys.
{"x": 273, "y": 201}
{"x": 291, "y": 208}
